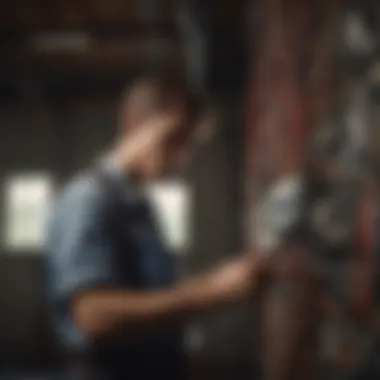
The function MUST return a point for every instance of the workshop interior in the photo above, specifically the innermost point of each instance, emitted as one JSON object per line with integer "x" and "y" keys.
{"x": 287, "y": 86}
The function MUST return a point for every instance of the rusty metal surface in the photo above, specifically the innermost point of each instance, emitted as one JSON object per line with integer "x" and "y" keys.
{"x": 311, "y": 189}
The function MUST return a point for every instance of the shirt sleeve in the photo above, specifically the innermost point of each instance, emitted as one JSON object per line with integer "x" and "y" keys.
{"x": 82, "y": 254}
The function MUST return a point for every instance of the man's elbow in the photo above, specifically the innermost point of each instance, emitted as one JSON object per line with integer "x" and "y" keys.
{"x": 91, "y": 318}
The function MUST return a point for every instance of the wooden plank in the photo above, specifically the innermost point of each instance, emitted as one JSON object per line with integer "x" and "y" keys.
{"x": 41, "y": 15}
{"x": 104, "y": 55}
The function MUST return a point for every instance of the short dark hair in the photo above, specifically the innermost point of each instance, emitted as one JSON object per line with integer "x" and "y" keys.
{"x": 166, "y": 86}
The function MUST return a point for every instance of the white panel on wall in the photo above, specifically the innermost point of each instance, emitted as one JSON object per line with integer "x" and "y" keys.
{"x": 27, "y": 202}
{"x": 172, "y": 204}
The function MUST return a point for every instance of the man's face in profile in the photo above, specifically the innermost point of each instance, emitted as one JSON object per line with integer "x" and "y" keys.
{"x": 171, "y": 153}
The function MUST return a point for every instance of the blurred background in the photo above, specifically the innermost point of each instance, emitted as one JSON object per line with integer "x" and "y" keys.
{"x": 63, "y": 67}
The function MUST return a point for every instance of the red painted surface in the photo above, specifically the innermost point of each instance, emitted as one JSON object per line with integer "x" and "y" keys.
{"x": 285, "y": 107}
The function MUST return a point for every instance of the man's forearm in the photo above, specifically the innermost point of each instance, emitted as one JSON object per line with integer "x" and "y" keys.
{"x": 106, "y": 314}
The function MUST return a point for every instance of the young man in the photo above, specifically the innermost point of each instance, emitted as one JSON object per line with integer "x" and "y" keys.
{"x": 113, "y": 297}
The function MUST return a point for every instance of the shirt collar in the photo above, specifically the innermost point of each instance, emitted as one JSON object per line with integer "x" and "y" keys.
{"x": 111, "y": 165}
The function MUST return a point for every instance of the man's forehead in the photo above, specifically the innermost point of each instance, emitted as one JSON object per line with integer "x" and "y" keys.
{"x": 159, "y": 130}
{"x": 148, "y": 94}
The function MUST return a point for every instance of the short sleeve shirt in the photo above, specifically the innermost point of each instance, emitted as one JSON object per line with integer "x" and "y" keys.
{"x": 94, "y": 241}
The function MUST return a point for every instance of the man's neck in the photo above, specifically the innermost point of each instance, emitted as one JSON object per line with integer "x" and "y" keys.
{"x": 125, "y": 164}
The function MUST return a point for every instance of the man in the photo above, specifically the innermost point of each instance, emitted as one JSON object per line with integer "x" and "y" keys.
{"x": 115, "y": 305}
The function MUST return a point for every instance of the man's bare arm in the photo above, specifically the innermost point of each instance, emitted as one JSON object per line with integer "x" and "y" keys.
{"x": 106, "y": 314}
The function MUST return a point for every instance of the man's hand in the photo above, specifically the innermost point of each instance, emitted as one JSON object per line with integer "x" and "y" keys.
{"x": 238, "y": 279}
{"x": 108, "y": 313}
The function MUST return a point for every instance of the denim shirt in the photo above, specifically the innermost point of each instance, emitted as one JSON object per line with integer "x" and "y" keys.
{"x": 89, "y": 246}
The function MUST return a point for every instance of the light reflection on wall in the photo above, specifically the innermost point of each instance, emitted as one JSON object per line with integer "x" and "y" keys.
{"x": 27, "y": 202}
{"x": 172, "y": 204}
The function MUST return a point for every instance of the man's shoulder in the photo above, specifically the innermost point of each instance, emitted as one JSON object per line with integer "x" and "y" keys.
{"x": 82, "y": 185}
{"x": 72, "y": 205}
{"x": 82, "y": 189}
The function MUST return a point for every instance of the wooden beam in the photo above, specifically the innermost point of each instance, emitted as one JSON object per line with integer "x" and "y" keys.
{"x": 116, "y": 29}
{"x": 100, "y": 55}
{"x": 33, "y": 15}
